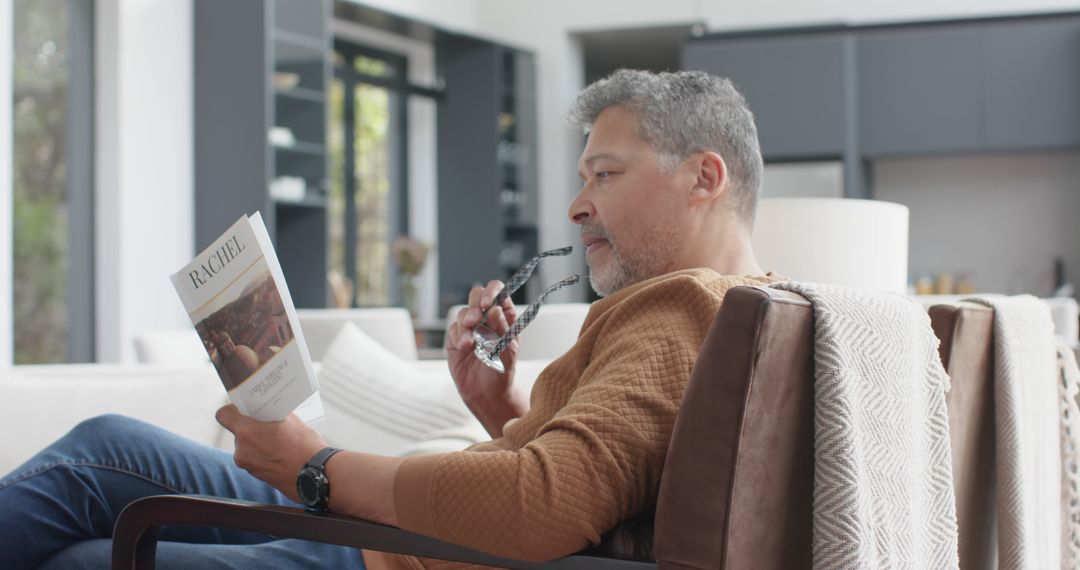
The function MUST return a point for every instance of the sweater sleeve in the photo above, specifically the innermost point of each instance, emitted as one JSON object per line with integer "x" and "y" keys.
{"x": 596, "y": 462}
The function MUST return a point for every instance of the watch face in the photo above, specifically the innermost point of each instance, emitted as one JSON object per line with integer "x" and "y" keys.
{"x": 308, "y": 486}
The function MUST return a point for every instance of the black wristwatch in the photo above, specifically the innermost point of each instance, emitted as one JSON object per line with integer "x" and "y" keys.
{"x": 311, "y": 483}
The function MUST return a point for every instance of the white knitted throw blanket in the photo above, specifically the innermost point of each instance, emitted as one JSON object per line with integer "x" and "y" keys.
{"x": 1028, "y": 433}
{"x": 1069, "y": 388}
{"x": 883, "y": 493}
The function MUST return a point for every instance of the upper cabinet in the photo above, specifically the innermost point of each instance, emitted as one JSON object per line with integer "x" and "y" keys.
{"x": 1031, "y": 84}
{"x": 905, "y": 89}
{"x": 919, "y": 90}
{"x": 970, "y": 87}
{"x": 794, "y": 85}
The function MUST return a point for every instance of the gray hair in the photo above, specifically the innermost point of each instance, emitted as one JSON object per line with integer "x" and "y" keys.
{"x": 682, "y": 114}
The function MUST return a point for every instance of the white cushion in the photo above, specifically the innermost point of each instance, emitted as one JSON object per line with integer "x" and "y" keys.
{"x": 1064, "y": 311}
{"x": 169, "y": 346}
{"x": 554, "y": 330}
{"x": 41, "y": 403}
{"x": 379, "y": 403}
{"x": 391, "y": 327}
{"x": 1066, "y": 315}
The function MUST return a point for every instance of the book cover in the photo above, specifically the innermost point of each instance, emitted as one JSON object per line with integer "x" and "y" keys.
{"x": 237, "y": 298}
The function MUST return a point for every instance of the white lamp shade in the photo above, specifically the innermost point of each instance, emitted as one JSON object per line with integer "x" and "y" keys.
{"x": 862, "y": 244}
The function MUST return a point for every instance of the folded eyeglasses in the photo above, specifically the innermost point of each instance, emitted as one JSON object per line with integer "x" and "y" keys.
{"x": 489, "y": 345}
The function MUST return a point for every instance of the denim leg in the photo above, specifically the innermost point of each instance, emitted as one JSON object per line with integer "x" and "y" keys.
{"x": 279, "y": 555}
{"x": 73, "y": 490}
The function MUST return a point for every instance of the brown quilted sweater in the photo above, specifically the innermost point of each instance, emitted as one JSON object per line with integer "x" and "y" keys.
{"x": 590, "y": 451}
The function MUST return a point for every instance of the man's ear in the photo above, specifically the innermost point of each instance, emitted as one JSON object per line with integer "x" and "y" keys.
{"x": 712, "y": 178}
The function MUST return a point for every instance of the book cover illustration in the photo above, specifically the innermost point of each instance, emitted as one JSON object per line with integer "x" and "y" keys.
{"x": 236, "y": 296}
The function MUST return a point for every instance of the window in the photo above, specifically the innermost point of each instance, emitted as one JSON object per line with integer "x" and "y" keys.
{"x": 52, "y": 178}
{"x": 368, "y": 166}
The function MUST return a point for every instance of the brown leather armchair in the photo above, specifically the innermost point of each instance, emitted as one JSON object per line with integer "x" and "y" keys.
{"x": 966, "y": 332}
{"x": 736, "y": 490}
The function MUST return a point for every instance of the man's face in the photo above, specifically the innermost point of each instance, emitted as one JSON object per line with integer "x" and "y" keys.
{"x": 631, "y": 209}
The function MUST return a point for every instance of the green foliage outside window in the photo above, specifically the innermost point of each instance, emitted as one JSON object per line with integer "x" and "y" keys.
{"x": 371, "y": 147}
{"x": 40, "y": 209}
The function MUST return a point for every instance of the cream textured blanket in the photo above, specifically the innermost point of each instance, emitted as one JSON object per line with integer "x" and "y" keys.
{"x": 883, "y": 494}
{"x": 1028, "y": 432}
{"x": 1068, "y": 389}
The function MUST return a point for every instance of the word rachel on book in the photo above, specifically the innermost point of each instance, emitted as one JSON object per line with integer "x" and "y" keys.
{"x": 223, "y": 255}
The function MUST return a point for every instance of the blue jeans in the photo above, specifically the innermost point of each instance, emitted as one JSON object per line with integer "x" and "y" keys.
{"x": 58, "y": 509}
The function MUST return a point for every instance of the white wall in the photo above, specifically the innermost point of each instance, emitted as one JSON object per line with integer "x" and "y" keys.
{"x": 7, "y": 61}
{"x": 457, "y": 15}
{"x": 144, "y": 198}
{"x": 1003, "y": 217}
{"x": 803, "y": 180}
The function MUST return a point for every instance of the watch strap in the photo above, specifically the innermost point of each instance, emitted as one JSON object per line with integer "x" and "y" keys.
{"x": 319, "y": 460}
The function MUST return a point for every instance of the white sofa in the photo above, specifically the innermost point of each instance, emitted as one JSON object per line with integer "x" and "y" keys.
{"x": 41, "y": 403}
{"x": 175, "y": 386}
{"x": 389, "y": 326}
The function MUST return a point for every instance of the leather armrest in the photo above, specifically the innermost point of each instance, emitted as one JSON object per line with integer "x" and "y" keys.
{"x": 137, "y": 528}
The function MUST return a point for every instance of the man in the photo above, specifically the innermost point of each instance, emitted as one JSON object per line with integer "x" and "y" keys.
{"x": 670, "y": 175}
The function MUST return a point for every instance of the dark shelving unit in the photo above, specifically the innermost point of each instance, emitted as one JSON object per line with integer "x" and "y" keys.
{"x": 262, "y": 65}
{"x": 487, "y": 166}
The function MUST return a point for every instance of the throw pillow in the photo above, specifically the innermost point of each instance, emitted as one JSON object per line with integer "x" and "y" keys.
{"x": 378, "y": 403}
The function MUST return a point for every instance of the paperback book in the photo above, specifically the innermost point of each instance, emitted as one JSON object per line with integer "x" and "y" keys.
{"x": 237, "y": 298}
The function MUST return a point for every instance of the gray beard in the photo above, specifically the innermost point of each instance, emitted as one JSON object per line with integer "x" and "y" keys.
{"x": 623, "y": 271}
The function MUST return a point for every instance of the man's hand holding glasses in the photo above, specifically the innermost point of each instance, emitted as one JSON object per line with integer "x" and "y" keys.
{"x": 482, "y": 346}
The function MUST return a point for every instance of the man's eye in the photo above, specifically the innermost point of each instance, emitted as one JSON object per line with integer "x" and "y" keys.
{"x": 603, "y": 174}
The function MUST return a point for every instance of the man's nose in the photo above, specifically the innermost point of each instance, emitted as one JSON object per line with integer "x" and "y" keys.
{"x": 581, "y": 209}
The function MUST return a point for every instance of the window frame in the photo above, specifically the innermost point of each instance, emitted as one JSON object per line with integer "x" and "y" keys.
{"x": 81, "y": 134}
{"x": 399, "y": 182}
{"x": 7, "y": 190}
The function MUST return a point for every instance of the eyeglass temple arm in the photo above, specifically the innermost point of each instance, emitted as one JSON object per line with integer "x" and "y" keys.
{"x": 529, "y": 314}
{"x": 521, "y": 276}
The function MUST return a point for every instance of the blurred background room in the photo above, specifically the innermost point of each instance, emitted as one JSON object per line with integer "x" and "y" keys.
{"x": 401, "y": 151}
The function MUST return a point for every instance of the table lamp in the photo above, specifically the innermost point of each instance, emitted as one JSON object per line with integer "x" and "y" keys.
{"x": 862, "y": 244}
